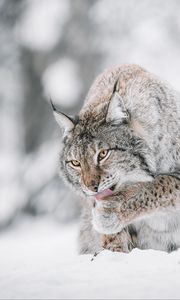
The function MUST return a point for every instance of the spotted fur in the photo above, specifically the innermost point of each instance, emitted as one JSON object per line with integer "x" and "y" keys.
{"x": 136, "y": 116}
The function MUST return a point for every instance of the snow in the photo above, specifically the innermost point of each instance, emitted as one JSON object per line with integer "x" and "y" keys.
{"x": 39, "y": 261}
{"x": 40, "y": 169}
{"x": 38, "y": 256}
{"x": 62, "y": 83}
{"x": 12, "y": 201}
{"x": 42, "y": 23}
{"x": 142, "y": 37}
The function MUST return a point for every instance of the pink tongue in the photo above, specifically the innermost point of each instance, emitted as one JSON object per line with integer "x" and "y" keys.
{"x": 103, "y": 194}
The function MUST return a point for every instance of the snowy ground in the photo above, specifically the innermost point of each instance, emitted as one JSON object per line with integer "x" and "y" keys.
{"x": 38, "y": 260}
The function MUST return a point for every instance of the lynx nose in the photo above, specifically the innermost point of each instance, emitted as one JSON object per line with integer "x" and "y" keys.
{"x": 91, "y": 180}
{"x": 93, "y": 186}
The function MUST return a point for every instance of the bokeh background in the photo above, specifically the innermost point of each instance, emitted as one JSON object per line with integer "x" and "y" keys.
{"x": 55, "y": 48}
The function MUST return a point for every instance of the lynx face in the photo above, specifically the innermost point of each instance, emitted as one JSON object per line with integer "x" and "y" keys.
{"x": 93, "y": 161}
{"x": 101, "y": 153}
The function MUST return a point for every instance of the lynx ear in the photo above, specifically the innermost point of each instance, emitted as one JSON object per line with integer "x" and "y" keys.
{"x": 66, "y": 124}
{"x": 117, "y": 112}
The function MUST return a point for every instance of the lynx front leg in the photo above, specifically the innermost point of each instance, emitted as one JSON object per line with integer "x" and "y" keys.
{"x": 115, "y": 212}
{"x": 119, "y": 242}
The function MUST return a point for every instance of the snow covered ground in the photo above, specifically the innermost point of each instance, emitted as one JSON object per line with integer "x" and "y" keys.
{"x": 38, "y": 260}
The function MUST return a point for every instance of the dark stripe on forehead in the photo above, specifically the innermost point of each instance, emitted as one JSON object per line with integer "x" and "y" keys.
{"x": 85, "y": 134}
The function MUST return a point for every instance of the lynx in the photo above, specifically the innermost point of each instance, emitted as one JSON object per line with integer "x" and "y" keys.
{"x": 121, "y": 154}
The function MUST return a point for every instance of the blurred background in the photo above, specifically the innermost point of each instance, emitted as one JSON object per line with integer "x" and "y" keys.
{"x": 55, "y": 48}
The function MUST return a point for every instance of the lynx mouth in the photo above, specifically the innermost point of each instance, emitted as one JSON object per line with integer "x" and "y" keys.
{"x": 105, "y": 193}
{"x": 113, "y": 187}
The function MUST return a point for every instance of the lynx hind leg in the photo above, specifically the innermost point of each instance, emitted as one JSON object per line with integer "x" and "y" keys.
{"x": 123, "y": 241}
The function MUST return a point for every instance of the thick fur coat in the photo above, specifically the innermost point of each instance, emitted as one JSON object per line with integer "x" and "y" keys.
{"x": 121, "y": 154}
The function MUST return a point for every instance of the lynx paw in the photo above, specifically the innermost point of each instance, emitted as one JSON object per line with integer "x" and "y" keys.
{"x": 106, "y": 219}
{"x": 119, "y": 242}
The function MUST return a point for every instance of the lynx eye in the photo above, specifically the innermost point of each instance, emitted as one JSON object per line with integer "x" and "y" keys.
{"x": 102, "y": 154}
{"x": 75, "y": 163}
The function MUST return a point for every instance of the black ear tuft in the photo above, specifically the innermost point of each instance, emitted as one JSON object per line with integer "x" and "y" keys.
{"x": 66, "y": 123}
{"x": 52, "y": 105}
{"x": 117, "y": 112}
{"x": 116, "y": 86}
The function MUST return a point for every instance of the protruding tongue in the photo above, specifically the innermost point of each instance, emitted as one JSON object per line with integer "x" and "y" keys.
{"x": 103, "y": 194}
